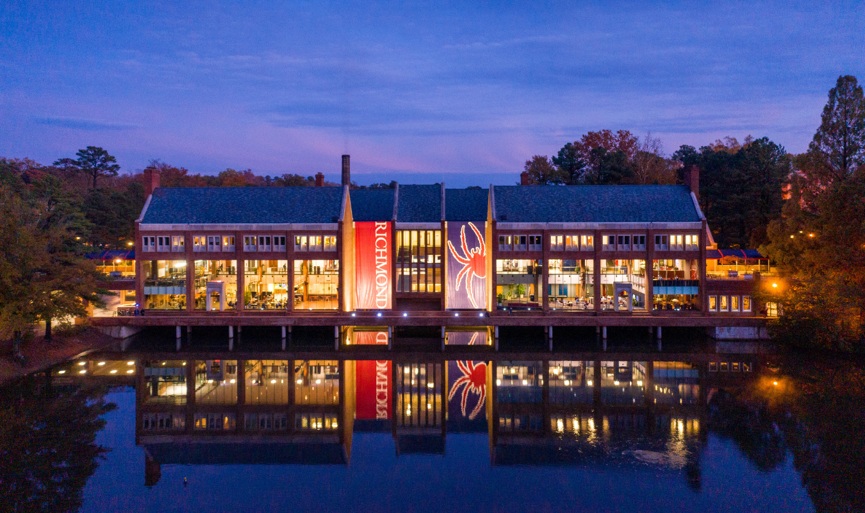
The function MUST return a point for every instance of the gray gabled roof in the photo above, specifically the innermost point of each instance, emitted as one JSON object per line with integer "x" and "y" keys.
{"x": 419, "y": 204}
{"x": 372, "y": 204}
{"x": 244, "y": 205}
{"x": 466, "y": 204}
{"x": 594, "y": 204}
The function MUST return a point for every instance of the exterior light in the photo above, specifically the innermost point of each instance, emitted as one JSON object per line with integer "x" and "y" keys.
{"x": 101, "y": 363}
{"x": 61, "y": 372}
{"x": 128, "y": 243}
{"x": 567, "y": 383}
{"x": 81, "y": 363}
{"x": 775, "y": 383}
{"x": 774, "y": 285}
{"x": 404, "y": 314}
{"x": 378, "y": 314}
{"x": 82, "y": 372}
{"x": 300, "y": 382}
{"x": 273, "y": 381}
{"x": 525, "y": 382}
{"x": 318, "y": 382}
{"x": 117, "y": 261}
{"x": 130, "y": 371}
{"x": 232, "y": 381}
{"x": 498, "y": 382}
{"x": 131, "y": 363}
{"x": 430, "y": 385}
{"x": 616, "y": 383}
{"x": 639, "y": 383}
{"x": 481, "y": 314}
{"x": 77, "y": 238}
{"x": 810, "y": 235}
{"x": 353, "y": 314}
{"x": 792, "y": 236}
{"x": 113, "y": 371}
{"x": 457, "y": 314}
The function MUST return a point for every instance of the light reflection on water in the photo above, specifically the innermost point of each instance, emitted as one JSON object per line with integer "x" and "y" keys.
{"x": 604, "y": 432}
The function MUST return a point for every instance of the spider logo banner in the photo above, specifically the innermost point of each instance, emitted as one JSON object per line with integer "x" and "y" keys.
{"x": 467, "y": 396}
{"x": 372, "y": 266}
{"x": 466, "y": 265}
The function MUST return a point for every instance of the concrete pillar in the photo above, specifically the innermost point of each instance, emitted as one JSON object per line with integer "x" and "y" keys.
{"x": 390, "y": 338}
{"x": 231, "y": 332}
{"x": 336, "y": 338}
{"x": 283, "y": 338}
{"x": 443, "y": 338}
{"x": 659, "y": 333}
{"x": 283, "y": 331}
{"x": 605, "y": 344}
{"x": 550, "y": 336}
{"x": 231, "y": 344}
{"x": 177, "y": 331}
{"x": 604, "y": 332}
{"x": 177, "y": 348}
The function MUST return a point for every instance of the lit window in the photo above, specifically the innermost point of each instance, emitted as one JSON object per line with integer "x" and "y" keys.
{"x": 724, "y": 304}
{"x": 315, "y": 242}
{"x": 300, "y": 243}
{"x": 608, "y": 242}
{"x": 557, "y": 242}
{"x": 692, "y": 242}
{"x": 713, "y": 303}
{"x": 676, "y": 243}
{"x": 178, "y": 243}
{"x": 587, "y": 242}
{"x": 746, "y": 303}
{"x": 199, "y": 243}
{"x": 228, "y": 243}
{"x": 734, "y": 303}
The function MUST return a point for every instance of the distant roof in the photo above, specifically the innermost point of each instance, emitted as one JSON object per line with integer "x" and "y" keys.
{"x": 111, "y": 255}
{"x": 244, "y": 205}
{"x": 419, "y": 204}
{"x": 712, "y": 254}
{"x": 372, "y": 204}
{"x": 466, "y": 204}
{"x": 594, "y": 204}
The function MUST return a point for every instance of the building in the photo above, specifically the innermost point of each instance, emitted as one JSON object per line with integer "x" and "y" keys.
{"x": 517, "y": 255}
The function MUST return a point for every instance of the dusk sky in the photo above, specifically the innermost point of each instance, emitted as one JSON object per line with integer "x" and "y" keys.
{"x": 414, "y": 93}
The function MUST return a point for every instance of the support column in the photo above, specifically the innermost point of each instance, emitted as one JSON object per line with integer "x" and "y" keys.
{"x": 177, "y": 333}
{"x": 443, "y": 338}
{"x": 283, "y": 338}
{"x": 650, "y": 271}
{"x": 497, "y": 338}
{"x": 336, "y": 338}
{"x": 550, "y": 337}
{"x": 597, "y": 272}
{"x": 545, "y": 275}
{"x": 604, "y": 332}
{"x": 390, "y": 342}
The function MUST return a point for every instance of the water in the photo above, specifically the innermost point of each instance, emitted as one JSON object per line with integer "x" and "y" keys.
{"x": 592, "y": 430}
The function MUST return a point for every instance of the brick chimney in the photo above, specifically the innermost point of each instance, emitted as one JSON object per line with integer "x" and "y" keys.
{"x": 346, "y": 170}
{"x": 692, "y": 179}
{"x": 151, "y": 180}
{"x": 524, "y": 178}
{"x": 319, "y": 179}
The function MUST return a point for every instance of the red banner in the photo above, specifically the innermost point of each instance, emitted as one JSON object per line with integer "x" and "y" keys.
{"x": 372, "y": 251}
{"x": 373, "y": 390}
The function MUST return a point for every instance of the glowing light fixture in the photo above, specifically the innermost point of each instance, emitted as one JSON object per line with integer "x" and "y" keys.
{"x": 61, "y": 372}
{"x": 130, "y": 371}
{"x": 774, "y": 285}
{"x": 101, "y": 363}
{"x": 113, "y": 371}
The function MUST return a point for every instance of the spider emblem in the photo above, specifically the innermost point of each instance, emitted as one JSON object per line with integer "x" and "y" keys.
{"x": 474, "y": 379}
{"x": 473, "y": 261}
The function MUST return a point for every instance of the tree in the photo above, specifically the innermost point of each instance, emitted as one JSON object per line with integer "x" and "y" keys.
{"x": 570, "y": 163}
{"x": 93, "y": 162}
{"x": 838, "y": 147}
{"x": 607, "y": 168}
{"x": 741, "y": 187}
{"x": 542, "y": 171}
{"x": 43, "y": 274}
{"x": 649, "y": 164}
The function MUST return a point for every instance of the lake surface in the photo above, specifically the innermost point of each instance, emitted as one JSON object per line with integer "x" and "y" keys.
{"x": 616, "y": 430}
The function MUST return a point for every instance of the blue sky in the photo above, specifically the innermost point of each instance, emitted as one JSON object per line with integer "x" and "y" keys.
{"x": 414, "y": 92}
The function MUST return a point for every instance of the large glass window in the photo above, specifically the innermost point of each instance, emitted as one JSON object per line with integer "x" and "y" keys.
{"x": 164, "y": 381}
{"x": 418, "y": 261}
{"x": 267, "y": 381}
{"x": 218, "y": 280}
{"x": 675, "y": 285}
{"x": 571, "y": 284}
{"x": 315, "y": 284}
{"x": 632, "y": 272}
{"x": 164, "y": 284}
{"x": 316, "y": 382}
{"x": 518, "y": 282}
{"x": 216, "y": 382}
{"x": 266, "y": 285}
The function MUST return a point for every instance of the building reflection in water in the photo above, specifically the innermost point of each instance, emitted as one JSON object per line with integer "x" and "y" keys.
{"x": 596, "y": 411}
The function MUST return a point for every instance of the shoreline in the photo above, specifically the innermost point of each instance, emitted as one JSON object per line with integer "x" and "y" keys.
{"x": 42, "y": 355}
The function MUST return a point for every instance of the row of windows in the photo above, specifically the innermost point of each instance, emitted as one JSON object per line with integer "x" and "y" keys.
{"x": 608, "y": 242}
{"x": 226, "y": 243}
{"x": 730, "y": 366}
{"x": 729, "y": 303}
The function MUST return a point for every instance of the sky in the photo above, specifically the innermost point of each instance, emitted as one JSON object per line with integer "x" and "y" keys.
{"x": 461, "y": 92}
